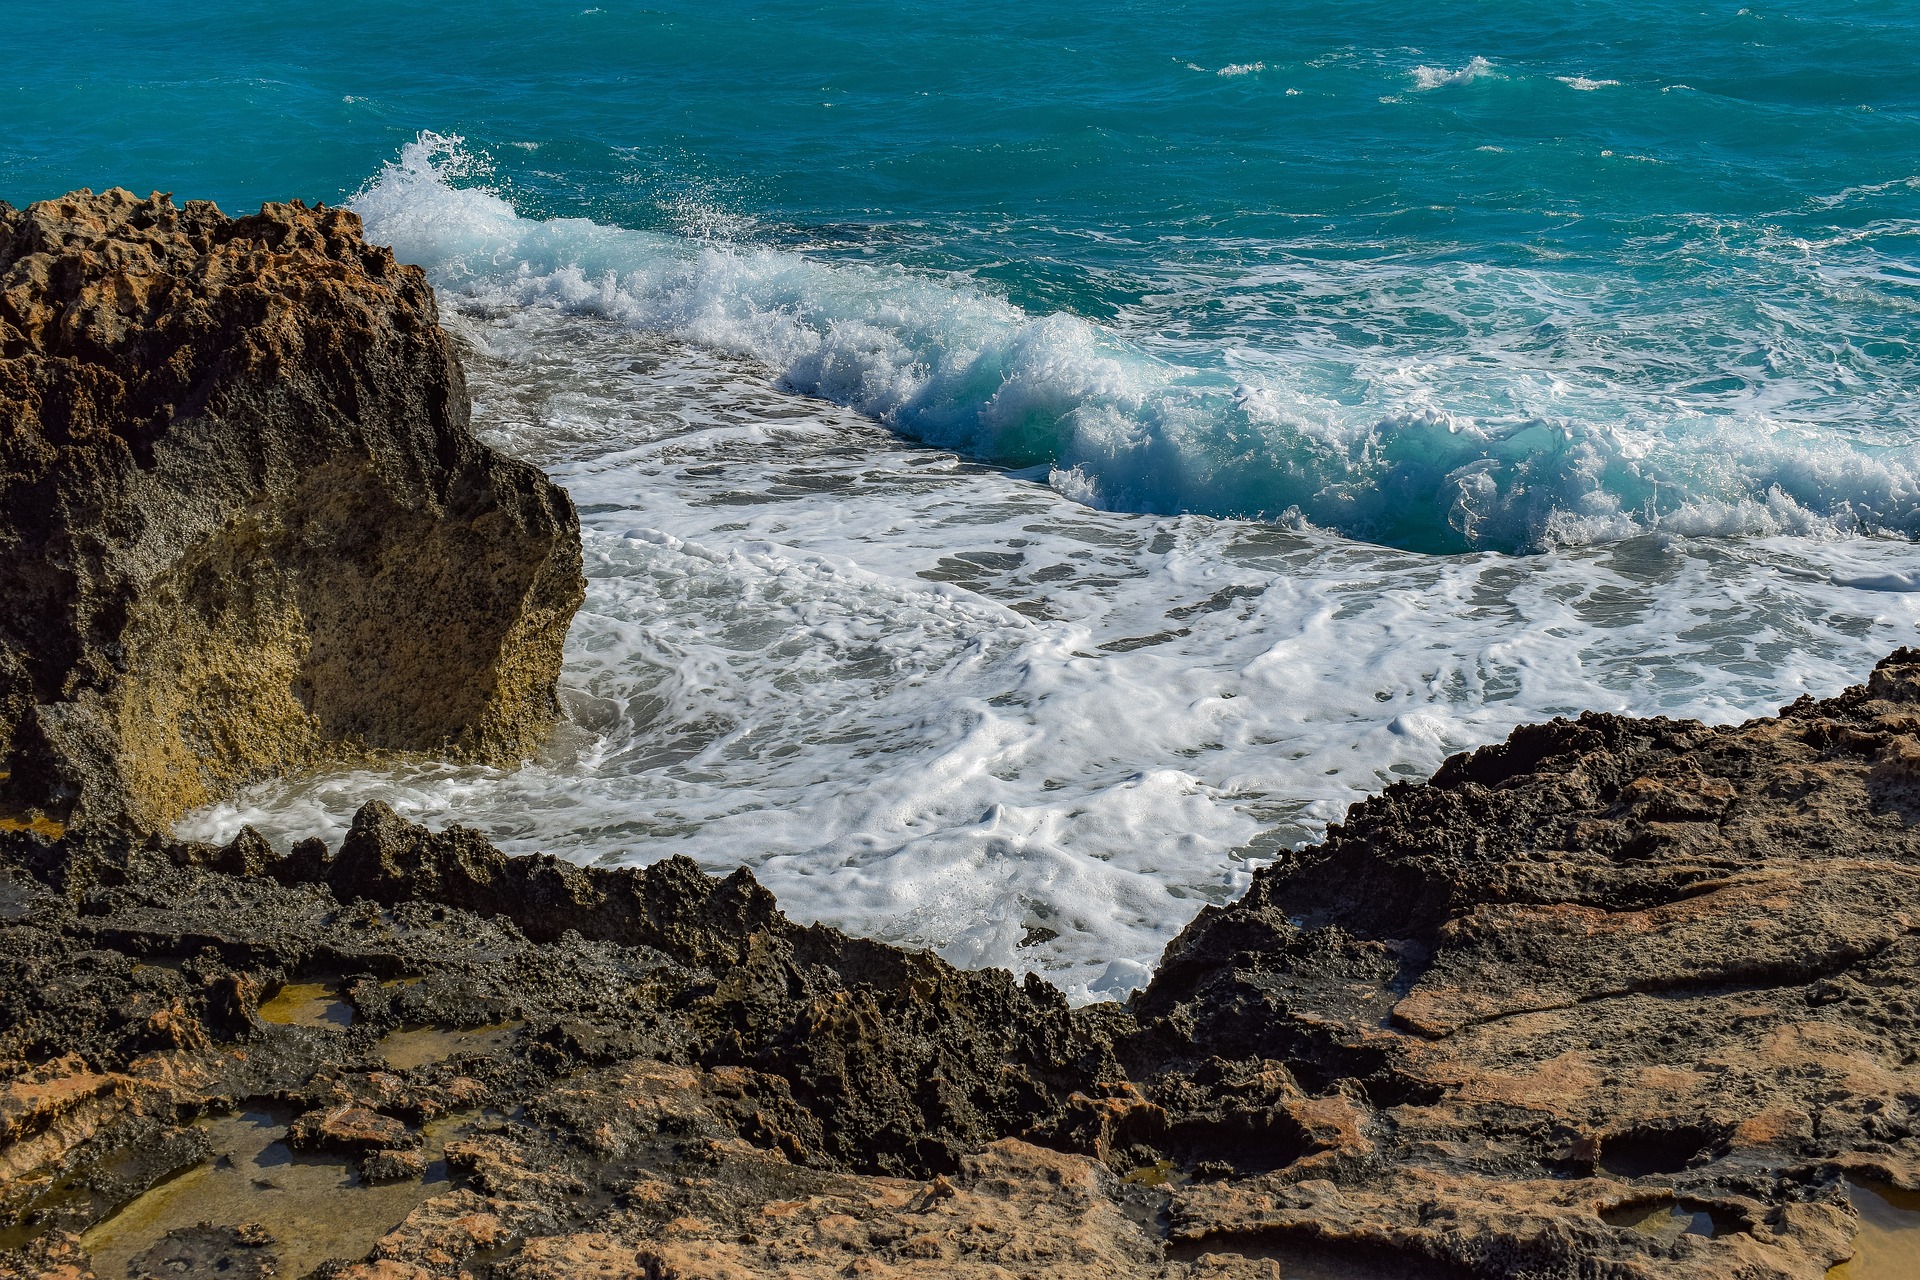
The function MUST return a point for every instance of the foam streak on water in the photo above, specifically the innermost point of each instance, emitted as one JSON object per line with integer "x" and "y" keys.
{"x": 941, "y": 703}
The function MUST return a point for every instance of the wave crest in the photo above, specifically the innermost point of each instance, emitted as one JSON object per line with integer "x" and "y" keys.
{"x": 1118, "y": 427}
{"x": 1476, "y": 68}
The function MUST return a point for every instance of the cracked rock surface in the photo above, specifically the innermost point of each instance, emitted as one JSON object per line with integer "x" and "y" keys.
{"x": 1617, "y": 998}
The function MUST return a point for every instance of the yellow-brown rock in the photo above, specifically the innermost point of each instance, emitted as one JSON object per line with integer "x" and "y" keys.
{"x": 244, "y": 523}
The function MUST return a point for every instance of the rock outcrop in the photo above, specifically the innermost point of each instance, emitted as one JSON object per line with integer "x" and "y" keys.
{"x": 1615, "y": 1000}
{"x": 244, "y": 525}
{"x": 532, "y": 1053}
{"x": 1612, "y": 971}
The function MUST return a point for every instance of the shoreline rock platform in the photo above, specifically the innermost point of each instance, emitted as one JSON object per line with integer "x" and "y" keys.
{"x": 1616, "y": 999}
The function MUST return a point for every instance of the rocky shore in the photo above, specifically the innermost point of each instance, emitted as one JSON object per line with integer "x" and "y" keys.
{"x": 1614, "y": 999}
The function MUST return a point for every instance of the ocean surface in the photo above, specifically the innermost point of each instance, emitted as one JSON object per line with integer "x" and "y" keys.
{"x": 1039, "y": 460}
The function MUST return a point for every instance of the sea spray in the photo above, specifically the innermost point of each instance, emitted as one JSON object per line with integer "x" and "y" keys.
{"x": 1124, "y": 428}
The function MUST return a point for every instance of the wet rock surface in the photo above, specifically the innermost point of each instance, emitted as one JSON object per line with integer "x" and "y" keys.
{"x": 244, "y": 525}
{"x": 1613, "y": 999}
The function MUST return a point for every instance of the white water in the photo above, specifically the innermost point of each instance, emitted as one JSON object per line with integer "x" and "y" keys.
{"x": 1546, "y": 407}
{"x": 945, "y": 704}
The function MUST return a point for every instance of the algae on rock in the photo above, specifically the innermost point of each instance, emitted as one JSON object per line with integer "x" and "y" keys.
{"x": 244, "y": 523}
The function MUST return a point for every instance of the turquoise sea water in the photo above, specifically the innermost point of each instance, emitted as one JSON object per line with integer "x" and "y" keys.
{"x": 1037, "y": 460}
{"x": 1438, "y": 275}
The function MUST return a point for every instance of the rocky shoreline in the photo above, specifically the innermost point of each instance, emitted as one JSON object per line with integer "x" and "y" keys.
{"x": 1616, "y": 998}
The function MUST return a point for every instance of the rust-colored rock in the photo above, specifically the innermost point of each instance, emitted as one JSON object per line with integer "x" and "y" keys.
{"x": 57, "y": 1255}
{"x": 244, "y": 525}
{"x": 348, "y": 1128}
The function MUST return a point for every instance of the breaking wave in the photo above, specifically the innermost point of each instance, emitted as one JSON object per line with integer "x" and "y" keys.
{"x": 1123, "y": 427}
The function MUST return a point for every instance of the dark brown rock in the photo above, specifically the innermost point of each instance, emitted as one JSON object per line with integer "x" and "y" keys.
{"x": 791, "y": 1043}
{"x": 1615, "y": 999}
{"x": 244, "y": 525}
{"x": 208, "y": 1250}
{"x": 348, "y": 1128}
{"x": 672, "y": 905}
{"x": 393, "y": 1165}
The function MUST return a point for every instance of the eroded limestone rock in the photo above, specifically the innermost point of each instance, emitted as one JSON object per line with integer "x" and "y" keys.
{"x": 244, "y": 525}
{"x": 1607, "y": 963}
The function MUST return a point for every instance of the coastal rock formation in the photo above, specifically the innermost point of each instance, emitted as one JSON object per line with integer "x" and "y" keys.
{"x": 1615, "y": 1000}
{"x": 244, "y": 525}
{"x": 1612, "y": 971}
{"x": 530, "y": 1070}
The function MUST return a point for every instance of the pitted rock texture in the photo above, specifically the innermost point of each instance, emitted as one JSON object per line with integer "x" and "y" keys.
{"x": 1607, "y": 964}
{"x": 1615, "y": 1000}
{"x": 581, "y": 1031}
{"x": 244, "y": 524}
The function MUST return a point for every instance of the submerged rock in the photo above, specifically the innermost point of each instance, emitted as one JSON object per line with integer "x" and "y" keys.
{"x": 244, "y": 525}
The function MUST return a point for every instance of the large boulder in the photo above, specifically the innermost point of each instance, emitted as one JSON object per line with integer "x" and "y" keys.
{"x": 244, "y": 524}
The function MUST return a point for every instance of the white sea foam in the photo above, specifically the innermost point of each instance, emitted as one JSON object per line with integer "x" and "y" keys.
{"x": 1436, "y": 457}
{"x": 943, "y": 704}
{"x": 1476, "y": 68}
{"x": 1241, "y": 68}
{"x": 1882, "y": 582}
{"x": 1583, "y": 84}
